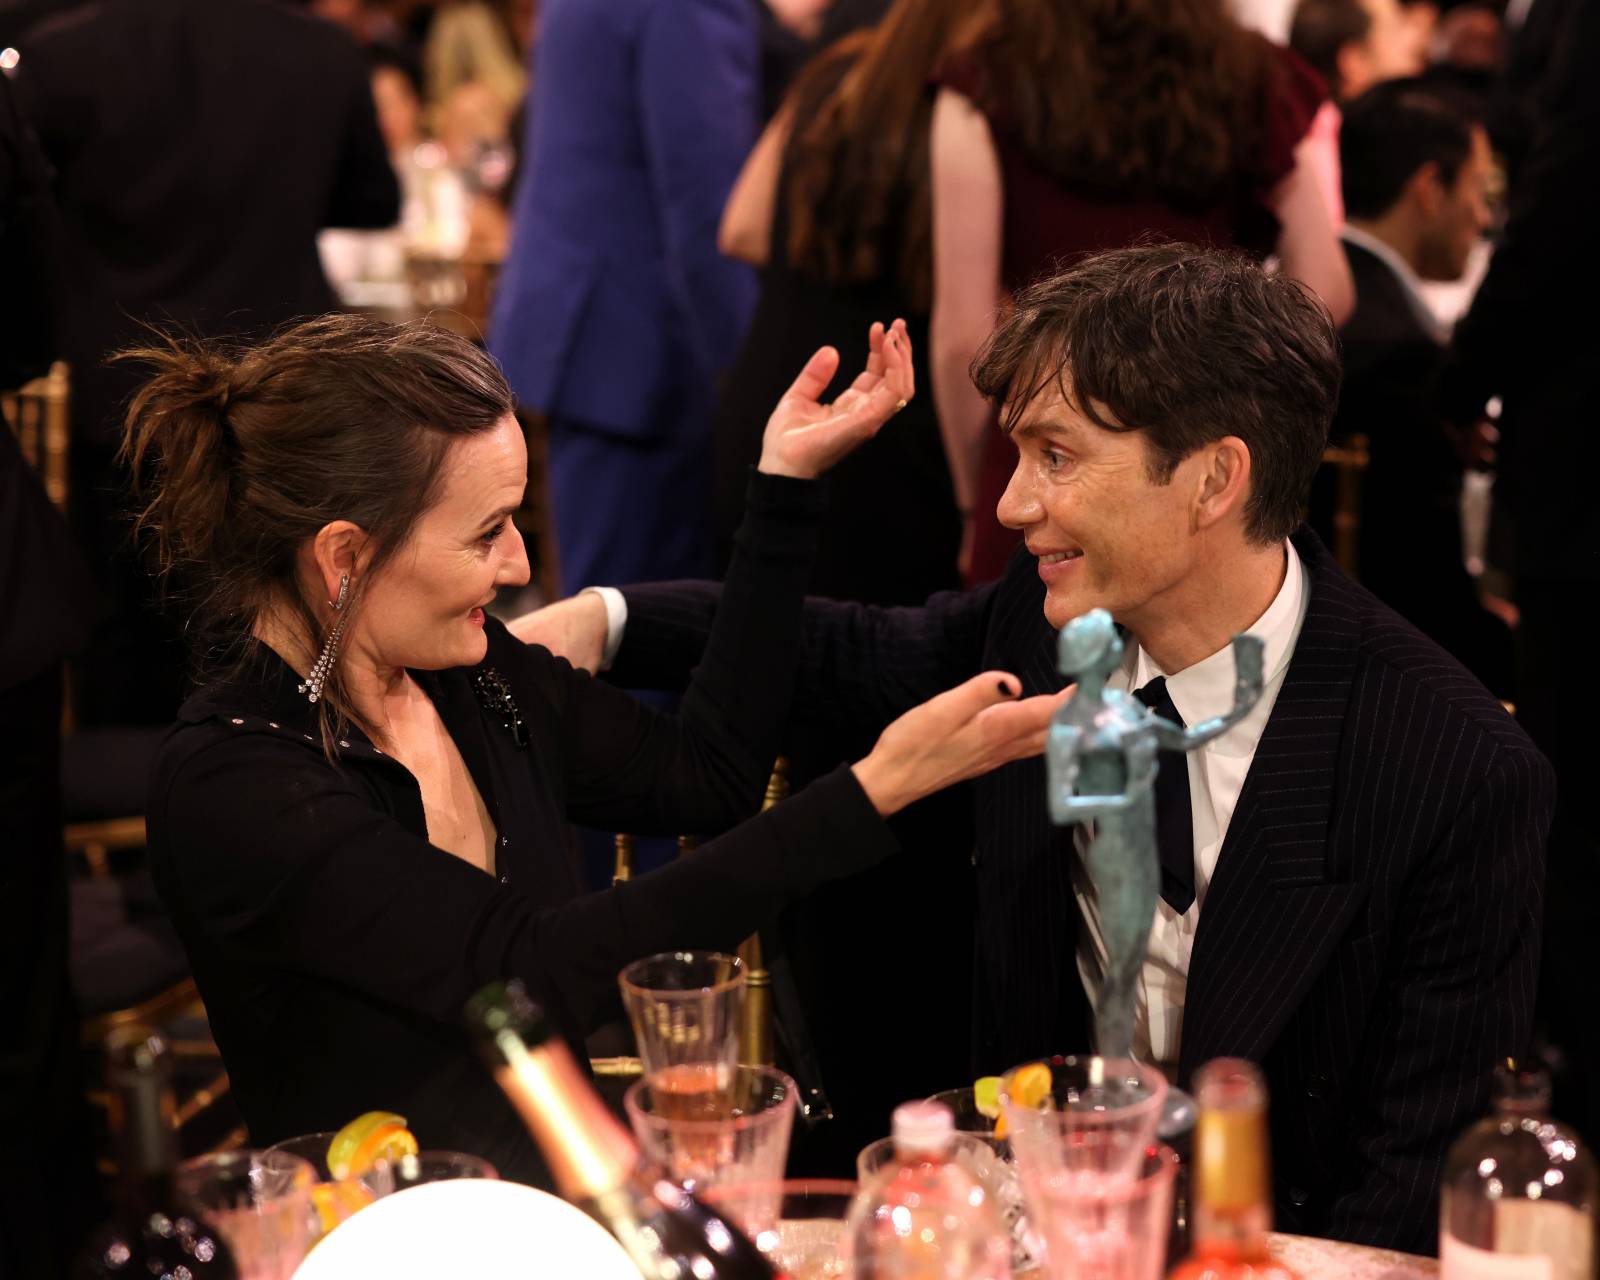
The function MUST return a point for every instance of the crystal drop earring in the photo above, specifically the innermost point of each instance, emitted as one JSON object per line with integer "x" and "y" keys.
{"x": 312, "y": 685}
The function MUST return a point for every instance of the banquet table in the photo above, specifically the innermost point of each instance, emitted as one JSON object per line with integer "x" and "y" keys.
{"x": 1314, "y": 1259}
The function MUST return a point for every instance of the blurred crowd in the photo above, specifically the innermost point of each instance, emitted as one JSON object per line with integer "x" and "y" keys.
{"x": 676, "y": 201}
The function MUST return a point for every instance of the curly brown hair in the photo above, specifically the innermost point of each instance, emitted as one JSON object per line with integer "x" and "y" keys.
{"x": 1154, "y": 98}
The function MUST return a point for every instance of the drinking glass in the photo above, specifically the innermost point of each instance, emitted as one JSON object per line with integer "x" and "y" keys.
{"x": 334, "y": 1199}
{"x": 1099, "y": 1226}
{"x": 963, "y": 1104}
{"x": 260, "y": 1202}
{"x": 805, "y": 1240}
{"x": 396, "y": 1174}
{"x": 686, "y": 1009}
{"x": 747, "y": 1145}
{"x": 1098, "y": 1115}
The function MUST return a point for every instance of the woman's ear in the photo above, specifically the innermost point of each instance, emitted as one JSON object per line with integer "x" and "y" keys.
{"x": 340, "y": 551}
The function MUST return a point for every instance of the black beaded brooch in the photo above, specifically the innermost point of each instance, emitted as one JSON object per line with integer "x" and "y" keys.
{"x": 494, "y": 695}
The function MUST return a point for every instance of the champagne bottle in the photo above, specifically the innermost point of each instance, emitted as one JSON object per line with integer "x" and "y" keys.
{"x": 1232, "y": 1182}
{"x": 1520, "y": 1194}
{"x": 151, "y": 1233}
{"x": 669, "y": 1234}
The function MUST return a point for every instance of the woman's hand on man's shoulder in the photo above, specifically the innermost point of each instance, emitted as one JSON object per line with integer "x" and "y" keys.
{"x": 574, "y": 629}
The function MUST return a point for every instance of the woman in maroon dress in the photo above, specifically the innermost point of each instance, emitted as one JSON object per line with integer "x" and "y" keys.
{"x": 1065, "y": 129}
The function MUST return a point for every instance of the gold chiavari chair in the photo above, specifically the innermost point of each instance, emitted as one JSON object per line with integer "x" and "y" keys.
{"x": 37, "y": 412}
{"x": 1349, "y": 460}
{"x": 755, "y": 1035}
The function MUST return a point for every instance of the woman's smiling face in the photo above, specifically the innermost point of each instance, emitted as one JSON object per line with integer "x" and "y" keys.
{"x": 424, "y": 609}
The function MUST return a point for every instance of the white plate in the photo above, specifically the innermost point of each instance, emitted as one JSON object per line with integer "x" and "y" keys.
{"x": 468, "y": 1227}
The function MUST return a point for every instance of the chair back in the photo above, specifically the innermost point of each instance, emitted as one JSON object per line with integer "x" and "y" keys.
{"x": 1349, "y": 461}
{"x": 755, "y": 1035}
{"x": 37, "y": 412}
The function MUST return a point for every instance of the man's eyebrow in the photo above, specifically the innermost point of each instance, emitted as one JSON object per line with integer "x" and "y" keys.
{"x": 1043, "y": 425}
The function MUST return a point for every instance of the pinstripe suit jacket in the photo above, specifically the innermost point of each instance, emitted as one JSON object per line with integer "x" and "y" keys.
{"x": 1371, "y": 935}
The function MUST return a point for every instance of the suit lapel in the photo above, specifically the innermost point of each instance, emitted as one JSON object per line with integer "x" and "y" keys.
{"x": 1276, "y": 907}
{"x": 1021, "y": 638}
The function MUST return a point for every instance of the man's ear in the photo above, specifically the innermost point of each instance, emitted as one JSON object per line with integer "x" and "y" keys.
{"x": 1350, "y": 66}
{"x": 1425, "y": 189}
{"x": 1222, "y": 484}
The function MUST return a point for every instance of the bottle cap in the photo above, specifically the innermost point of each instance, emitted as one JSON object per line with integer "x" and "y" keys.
{"x": 1521, "y": 1087}
{"x": 505, "y": 1009}
{"x": 135, "y": 1051}
{"x": 923, "y": 1128}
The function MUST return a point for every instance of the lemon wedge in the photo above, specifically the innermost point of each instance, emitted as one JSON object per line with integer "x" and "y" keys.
{"x": 348, "y": 1141}
{"x": 986, "y": 1096}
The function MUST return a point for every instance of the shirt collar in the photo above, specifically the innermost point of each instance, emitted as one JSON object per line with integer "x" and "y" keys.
{"x": 266, "y": 692}
{"x": 1205, "y": 688}
{"x": 1410, "y": 283}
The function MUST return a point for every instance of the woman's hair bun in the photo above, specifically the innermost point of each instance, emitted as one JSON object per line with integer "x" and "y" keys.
{"x": 177, "y": 442}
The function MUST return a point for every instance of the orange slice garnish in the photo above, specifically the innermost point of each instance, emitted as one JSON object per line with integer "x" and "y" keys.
{"x": 387, "y": 1142}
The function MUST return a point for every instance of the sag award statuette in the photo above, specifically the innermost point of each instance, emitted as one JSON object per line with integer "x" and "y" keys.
{"x": 1102, "y": 766}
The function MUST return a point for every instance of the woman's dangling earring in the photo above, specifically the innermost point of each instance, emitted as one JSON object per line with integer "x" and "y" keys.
{"x": 312, "y": 685}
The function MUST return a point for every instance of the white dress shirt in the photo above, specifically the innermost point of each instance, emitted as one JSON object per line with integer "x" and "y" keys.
{"x": 616, "y": 621}
{"x": 1216, "y": 776}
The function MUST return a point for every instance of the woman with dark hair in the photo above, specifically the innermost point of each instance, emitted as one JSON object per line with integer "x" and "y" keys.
{"x": 1066, "y": 129}
{"x": 360, "y": 817}
{"x": 833, "y": 206}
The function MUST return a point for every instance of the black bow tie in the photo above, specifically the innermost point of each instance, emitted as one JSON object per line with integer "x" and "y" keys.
{"x": 1174, "y": 819}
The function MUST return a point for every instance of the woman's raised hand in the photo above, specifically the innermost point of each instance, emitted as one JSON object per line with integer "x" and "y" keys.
{"x": 805, "y": 437}
{"x": 967, "y": 731}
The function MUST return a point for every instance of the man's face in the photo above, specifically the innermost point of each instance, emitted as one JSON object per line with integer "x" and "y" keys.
{"x": 1392, "y": 49}
{"x": 1105, "y": 534}
{"x": 1458, "y": 215}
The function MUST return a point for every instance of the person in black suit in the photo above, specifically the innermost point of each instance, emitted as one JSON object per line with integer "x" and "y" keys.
{"x": 48, "y": 1190}
{"x": 198, "y": 147}
{"x": 1416, "y": 168}
{"x": 1362, "y": 908}
{"x": 1522, "y": 341}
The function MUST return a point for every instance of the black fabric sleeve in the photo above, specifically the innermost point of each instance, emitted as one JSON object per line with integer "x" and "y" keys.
{"x": 860, "y": 666}
{"x": 287, "y": 859}
{"x": 366, "y": 192}
{"x": 631, "y": 768}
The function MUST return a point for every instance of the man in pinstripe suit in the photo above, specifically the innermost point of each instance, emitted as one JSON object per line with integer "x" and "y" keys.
{"x": 1357, "y": 903}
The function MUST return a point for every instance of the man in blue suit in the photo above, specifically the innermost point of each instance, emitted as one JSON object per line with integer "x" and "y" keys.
{"x": 615, "y": 312}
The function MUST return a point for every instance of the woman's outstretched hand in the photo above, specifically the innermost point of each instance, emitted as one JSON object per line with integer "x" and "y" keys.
{"x": 805, "y": 437}
{"x": 960, "y": 734}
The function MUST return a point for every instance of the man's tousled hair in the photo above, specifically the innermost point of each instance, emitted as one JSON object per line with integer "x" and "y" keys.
{"x": 1186, "y": 346}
